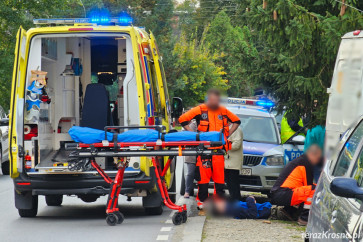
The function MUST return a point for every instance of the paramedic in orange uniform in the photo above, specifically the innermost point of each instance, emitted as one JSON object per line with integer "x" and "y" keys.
{"x": 294, "y": 187}
{"x": 211, "y": 116}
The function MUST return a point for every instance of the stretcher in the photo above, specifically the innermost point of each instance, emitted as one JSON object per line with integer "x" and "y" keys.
{"x": 157, "y": 147}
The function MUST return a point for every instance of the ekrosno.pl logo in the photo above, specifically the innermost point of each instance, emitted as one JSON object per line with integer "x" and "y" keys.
{"x": 328, "y": 235}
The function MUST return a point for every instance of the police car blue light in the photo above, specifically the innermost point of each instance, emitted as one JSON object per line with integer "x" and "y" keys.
{"x": 265, "y": 103}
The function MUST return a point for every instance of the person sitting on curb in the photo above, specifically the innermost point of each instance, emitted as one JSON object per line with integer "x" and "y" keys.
{"x": 294, "y": 187}
{"x": 238, "y": 209}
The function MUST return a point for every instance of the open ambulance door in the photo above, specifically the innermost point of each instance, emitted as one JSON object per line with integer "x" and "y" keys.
{"x": 17, "y": 101}
{"x": 162, "y": 88}
{"x": 169, "y": 177}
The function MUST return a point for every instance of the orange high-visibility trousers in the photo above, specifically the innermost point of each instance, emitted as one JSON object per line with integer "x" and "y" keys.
{"x": 216, "y": 172}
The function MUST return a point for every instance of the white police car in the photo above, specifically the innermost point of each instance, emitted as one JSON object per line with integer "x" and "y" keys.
{"x": 263, "y": 154}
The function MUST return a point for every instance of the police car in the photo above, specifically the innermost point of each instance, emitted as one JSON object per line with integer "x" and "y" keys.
{"x": 263, "y": 154}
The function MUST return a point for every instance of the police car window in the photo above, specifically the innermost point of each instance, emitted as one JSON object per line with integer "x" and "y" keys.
{"x": 258, "y": 129}
{"x": 357, "y": 173}
{"x": 348, "y": 151}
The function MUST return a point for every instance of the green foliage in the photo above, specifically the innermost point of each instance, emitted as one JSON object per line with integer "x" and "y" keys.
{"x": 236, "y": 51}
{"x": 194, "y": 72}
{"x": 297, "y": 51}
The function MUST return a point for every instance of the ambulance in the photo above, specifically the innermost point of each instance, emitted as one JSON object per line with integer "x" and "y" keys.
{"x": 91, "y": 72}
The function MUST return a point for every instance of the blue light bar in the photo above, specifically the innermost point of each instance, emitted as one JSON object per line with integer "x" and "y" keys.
{"x": 96, "y": 19}
{"x": 125, "y": 19}
{"x": 266, "y": 103}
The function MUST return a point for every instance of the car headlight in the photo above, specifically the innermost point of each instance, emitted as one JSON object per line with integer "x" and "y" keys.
{"x": 275, "y": 161}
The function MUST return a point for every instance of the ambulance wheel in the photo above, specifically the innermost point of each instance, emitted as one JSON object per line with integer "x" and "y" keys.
{"x": 177, "y": 218}
{"x": 54, "y": 200}
{"x": 112, "y": 219}
{"x": 120, "y": 217}
{"x": 32, "y": 212}
{"x": 154, "y": 210}
{"x": 185, "y": 216}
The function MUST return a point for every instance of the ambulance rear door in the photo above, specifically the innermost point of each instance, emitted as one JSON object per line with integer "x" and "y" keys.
{"x": 161, "y": 82}
{"x": 16, "y": 121}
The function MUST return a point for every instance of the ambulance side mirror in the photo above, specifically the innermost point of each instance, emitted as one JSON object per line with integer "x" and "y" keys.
{"x": 177, "y": 107}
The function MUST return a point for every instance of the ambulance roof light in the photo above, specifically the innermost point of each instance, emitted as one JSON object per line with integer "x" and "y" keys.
{"x": 96, "y": 19}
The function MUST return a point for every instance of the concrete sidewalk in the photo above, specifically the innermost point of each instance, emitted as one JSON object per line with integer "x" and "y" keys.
{"x": 192, "y": 230}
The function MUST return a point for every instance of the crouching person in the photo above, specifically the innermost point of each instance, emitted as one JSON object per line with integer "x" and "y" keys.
{"x": 294, "y": 188}
{"x": 239, "y": 210}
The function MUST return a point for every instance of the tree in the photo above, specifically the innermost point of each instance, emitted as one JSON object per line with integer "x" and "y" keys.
{"x": 236, "y": 52}
{"x": 194, "y": 72}
{"x": 297, "y": 43}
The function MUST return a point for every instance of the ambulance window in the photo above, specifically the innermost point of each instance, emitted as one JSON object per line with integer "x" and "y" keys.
{"x": 164, "y": 80}
{"x": 155, "y": 86}
{"x": 348, "y": 151}
{"x": 104, "y": 64}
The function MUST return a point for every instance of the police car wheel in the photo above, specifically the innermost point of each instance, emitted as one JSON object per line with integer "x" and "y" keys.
{"x": 177, "y": 218}
{"x": 112, "y": 219}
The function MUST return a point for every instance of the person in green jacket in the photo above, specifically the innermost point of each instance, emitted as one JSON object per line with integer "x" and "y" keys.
{"x": 289, "y": 127}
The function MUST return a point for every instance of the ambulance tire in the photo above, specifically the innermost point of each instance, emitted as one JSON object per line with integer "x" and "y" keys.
{"x": 54, "y": 200}
{"x": 90, "y": 198}
{"x": 32, "y": 212}
{"x": 154, "y": 210}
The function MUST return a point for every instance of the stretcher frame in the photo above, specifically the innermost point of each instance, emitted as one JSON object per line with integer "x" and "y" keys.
{"x": 119, "y": 151}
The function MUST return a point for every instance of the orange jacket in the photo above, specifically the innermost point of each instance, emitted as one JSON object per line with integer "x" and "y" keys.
{"x": 210, "y": 120}
{"x": 297, "y": 176}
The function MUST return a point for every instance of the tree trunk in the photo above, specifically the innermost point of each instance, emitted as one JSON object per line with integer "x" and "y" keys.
{"x": 342, "y": 8}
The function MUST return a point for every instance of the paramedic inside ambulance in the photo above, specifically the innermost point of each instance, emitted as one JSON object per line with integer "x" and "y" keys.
{"x": 211, "y": 116}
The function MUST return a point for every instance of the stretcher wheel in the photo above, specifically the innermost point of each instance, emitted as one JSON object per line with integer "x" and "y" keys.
{"x": 185, "y": 216}
{"x": 120, "y": 217}
{"x": 112, "y": 219}
{"x": 177, "y": 218}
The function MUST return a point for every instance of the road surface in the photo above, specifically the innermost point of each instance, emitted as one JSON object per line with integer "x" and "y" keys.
{"x": 79, "y": 221}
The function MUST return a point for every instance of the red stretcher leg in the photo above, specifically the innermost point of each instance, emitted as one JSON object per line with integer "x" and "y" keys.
{"x": 114, "y": 216}
{"x": 181, "y": 215}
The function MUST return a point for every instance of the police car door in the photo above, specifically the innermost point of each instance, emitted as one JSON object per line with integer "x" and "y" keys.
{"x": 16, "y": 121}
{"x": 293, "y": 150}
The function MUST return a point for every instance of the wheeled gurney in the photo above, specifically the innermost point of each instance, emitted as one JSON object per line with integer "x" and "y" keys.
{"x": 140, "y": 141}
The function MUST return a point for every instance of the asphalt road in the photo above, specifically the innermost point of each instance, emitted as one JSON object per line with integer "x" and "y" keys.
{"x": 79, "y": 221}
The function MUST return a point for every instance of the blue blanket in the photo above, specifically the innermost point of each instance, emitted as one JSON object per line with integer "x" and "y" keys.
{"x": 89, "y": 135}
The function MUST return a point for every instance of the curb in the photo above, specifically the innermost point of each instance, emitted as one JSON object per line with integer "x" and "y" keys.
{"x": 192, "y": 230}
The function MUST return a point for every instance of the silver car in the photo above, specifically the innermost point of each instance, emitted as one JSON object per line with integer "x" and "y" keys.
{"x": 4, "y": 142}
{"x": 337, "y": 212}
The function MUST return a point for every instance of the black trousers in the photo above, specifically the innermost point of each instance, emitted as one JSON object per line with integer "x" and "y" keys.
{"x": 232, "y": 180}
{"x": 282, "y": 197}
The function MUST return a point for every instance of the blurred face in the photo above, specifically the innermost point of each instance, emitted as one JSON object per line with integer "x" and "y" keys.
{"x": 314, "y": 155}
{"x": 213, "y": 101}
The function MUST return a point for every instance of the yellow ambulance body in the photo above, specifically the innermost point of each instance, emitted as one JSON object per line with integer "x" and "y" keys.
{"x": 76, "y": 53}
